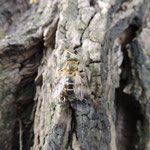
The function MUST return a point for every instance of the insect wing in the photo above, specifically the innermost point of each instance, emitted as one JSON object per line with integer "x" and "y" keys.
{"x": 59, "y": 87}
{"x": 78, "y": 90}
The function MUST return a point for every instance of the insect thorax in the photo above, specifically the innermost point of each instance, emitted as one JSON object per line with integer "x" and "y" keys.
{"x": 72, "y": 66}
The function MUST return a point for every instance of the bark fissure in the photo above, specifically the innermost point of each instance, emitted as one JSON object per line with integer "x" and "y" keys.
{"x": 81, "y": 40}
{"x": 73, "y": 128}
{"x": 114, "y": 113}
{"x": 128, "y": 109}
{"x": 24, "y": 96}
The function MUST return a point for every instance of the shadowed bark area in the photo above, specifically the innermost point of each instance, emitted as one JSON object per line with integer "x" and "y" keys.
{"x": 102, "y": 103}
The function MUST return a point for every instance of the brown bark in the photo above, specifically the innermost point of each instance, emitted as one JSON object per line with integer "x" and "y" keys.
{"x": 108, "y": 38}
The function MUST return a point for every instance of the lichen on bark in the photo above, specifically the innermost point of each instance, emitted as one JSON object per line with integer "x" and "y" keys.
{"x": 74, "y": 118}
{"x": 109, "y": 38}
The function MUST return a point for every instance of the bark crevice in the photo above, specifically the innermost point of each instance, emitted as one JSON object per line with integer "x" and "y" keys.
{"x": 129, "y": 115}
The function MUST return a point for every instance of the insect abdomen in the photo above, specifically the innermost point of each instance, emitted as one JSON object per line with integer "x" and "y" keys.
{"x": 69, "y": 86}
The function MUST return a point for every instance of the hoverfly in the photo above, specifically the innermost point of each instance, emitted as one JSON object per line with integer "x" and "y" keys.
{"x": 70, "y": 80}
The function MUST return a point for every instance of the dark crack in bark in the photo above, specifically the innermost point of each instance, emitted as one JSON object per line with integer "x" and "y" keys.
{"x": 128, "y": 109}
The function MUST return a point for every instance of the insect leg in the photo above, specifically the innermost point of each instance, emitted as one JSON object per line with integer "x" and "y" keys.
{"x": 72, "y": 53}
{"x": 64, "y": 68}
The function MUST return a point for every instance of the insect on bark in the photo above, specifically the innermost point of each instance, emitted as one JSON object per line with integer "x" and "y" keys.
{"x": 70, "y": 81}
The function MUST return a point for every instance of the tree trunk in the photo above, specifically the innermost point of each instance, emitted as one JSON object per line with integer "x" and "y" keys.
{"x": 102, "y": 48}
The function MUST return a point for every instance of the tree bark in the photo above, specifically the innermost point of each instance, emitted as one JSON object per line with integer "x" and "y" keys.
{"x": 110, "y": 39}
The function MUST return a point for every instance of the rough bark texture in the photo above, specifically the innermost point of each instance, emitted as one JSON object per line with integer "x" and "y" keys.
{"x": 112, "y": 37}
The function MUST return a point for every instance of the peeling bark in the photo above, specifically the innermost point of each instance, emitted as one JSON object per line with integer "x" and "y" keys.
{"x": 108, "y": 38}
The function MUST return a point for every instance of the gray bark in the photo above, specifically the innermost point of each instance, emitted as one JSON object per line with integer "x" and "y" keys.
{"x": 111, "y": 40}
